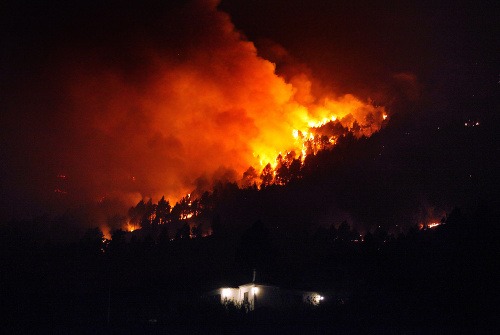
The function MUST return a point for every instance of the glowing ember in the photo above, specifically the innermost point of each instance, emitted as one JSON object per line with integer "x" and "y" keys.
{"x": 186, "y": 216}
{"x": 433, "y": 224}
{"x": 470, "y": 123}
{"x": 130, "y": 227}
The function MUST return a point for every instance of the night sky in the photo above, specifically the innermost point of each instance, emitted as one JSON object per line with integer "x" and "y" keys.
{"x": 102, "y": 100}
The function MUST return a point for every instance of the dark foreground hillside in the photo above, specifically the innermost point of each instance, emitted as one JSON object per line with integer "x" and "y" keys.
{"x": 424, "y": 281}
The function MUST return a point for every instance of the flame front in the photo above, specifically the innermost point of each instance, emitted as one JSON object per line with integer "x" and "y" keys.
{"x": 304, "y": 133}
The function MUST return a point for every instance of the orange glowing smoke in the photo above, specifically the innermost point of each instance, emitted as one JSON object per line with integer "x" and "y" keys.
{"x": 207, "y": 111}
{"x": 130, "y": 227}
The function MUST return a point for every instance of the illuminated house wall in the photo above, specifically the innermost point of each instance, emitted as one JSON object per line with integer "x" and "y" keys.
{"x": 260, "y": 295}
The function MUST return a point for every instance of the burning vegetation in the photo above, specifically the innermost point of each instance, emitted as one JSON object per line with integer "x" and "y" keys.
{"x": 174, "y": 112}
{"x": 287, "y": 167}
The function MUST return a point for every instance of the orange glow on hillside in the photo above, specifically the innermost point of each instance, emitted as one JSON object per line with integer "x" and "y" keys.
{"x": 130, "y": 227}
{"x": 301, "y": 123}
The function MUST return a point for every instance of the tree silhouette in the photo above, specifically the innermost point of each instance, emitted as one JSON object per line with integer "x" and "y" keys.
{"x": 163, "y": 211}
{"x": 206, "y": 202}
{"x": 197, "y": 231}
{"x": 216, "y": 226}
{"x": 267, "y": 176}
{"x": 183, "y": 232}
{"x": 294, "y": 169}
{"x": 182, "y": 208}
{"x": 249, "y": 177}
{"x": 149, "y": 214}
{"x": 137, "y": 213}
{"x": 163, "y": 237}
{"x": 283, "y": 175}
{"x": 117, "y": 245}
{"x": 93, "y": 241}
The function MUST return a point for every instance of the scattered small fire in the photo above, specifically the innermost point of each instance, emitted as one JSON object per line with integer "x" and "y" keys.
{"x": 130, "y": 227}
{"x": 429, "y": 225}
{"x": 433, "y": 224}
{"x": 186, "y": 216}
{"x": 470, "y": 123}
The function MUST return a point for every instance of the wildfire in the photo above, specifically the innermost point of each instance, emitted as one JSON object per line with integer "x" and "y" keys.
{"x": 316, "y": 127}
{"x": 430, "y": 225}
{"x": 211, "y": 114}
{"x": 317, "y": 124}
{"x": 186, "y": 216}
{"x": 130, "y": 227}
{"x": 433, "y": 224}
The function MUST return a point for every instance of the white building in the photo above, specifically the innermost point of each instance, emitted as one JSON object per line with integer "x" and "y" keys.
{"x": 255, "y": 295}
